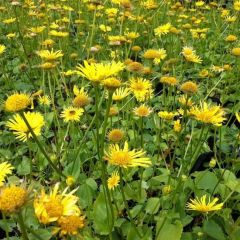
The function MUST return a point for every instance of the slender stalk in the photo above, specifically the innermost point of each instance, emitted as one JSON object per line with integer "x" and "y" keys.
{"x": 104, "y": 169}
{"x": 126, "y": 204}
{"x": 141, "y": 170}
{"x": 6, "y": 226}
{"x": 22, "y": 226}
{"x": 41, "y": 147}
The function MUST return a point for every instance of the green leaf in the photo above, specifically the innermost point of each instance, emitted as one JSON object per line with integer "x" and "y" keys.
{"x": 100, "y": 216}
{"x": 85, "y": 194}
{"x": 213, "y": 230}
{"x": 153, "y": 205}
{"x": 169, "y": 231}
{"x": 44, "y": 234}
{"x": 91, "y": 183}
{"x": 24, "y": 167}
{"x": 206, "y": 180}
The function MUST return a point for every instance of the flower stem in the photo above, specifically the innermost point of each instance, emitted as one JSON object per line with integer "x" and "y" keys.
{"x": 41, "y": 147}
{"x": 22, "y": 227}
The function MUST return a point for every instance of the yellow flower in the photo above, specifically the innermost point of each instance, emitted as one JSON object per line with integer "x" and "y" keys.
{"x": 125, "y": 158}
{"x": 111, "y": 83}
{"x": 10, "y": 20}
{"x": 189, "y": 87}
{"x": 51, "y": 207}
{"x": 231, "y": 38}
{"x": 184, "y": 100}
{"x": 44, "y": 100}
{"x": 114, "y": 180}
{"x": 199, "y": 3}
{"x": 12, "y": 198}
{"x": 47, "y": 65}
{"x": 190, "y": 55}
{"x": 115, "y": 135}
{"x": 177, "y": 126}
{"x": 38, "y": 29}
{"x": 20, "y": 129}
{"x": 72, "y": 114}
{"x": 97, "y": 72}
{"x": 120, "y": 94}
{"x": 5, "y": 169}
{"x": 142, "y": 111}
{"x": 82, "y": 99}
{"x": 2, "y": 49}
{"x": 135, "y": 67}
{"x": 238, "y": 116}
{"x": 47, "y": 43}
{"x": 172, "y": 81}
{"x": 49, "y": 56}
{"x": 236, "y": 5}
{"x": 150, "y": 4}
{"x": 155, "y": 54}
{"x": 58, "y": 33}
{"x": 141, "y": 88}
{"x": 166, "y": 115}
{"x": 204, "y": 206}
{"x": 17, "y": 102}
{"x": 69, "y": 225}
{"x": 208, "y": 114}
{"x": 236, "y": 51}
{"x": 163, "y": 29}
{"x": 70, "y": 180}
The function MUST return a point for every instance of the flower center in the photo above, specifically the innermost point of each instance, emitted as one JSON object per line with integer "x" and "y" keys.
{"x": 54, "y": 208}
{"x": 121, "y": 158}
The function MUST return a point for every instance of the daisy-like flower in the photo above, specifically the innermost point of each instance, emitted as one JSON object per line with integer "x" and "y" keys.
{"x": 208, "y": 114}
{"x": 120, "y": 94}
{"x": 72, "y": 114}
{"x": 126, "y": 158}
{"x": 236, "y": 51}
{"x": 236, "y": 5}
{"x": 114, "y": 180}
{"x": 111, "y": 83}
{"x": 166, "y": 115}
{"x": 12, "y": 199}
{"x": 51, "y": 207}
{"x": 49, "y": 56}
{"x": 141, "y": 88}
{"x": 142, "y": 111}
{"x": 69, "y": 225}
{"x": 156, "y": 55}
{"x": 163, "y": 29}
{"x": 189, "y": 87}
{"x": 204, "y": 206}
{"x": 177, "y": 126}
{"x": 44, "y": 100}
{"x": 82, "y": 99}
{"x": 5, "y": 169}
{"x": 115, "y": 135}
{"x": 190, "y": 55}
{"x": 97, "y": 72}
{"x": 17, "y": 102}
{"x": 2, "y": 49}
{"x": 172, "y": 81}
{"x": 20, "y": 129}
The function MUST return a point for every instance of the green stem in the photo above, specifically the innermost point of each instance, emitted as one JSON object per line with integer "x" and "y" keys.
{"x": 6, "y": 226}
{"x": 22, "y": 226}
{"x": 197, "y": 149}
{"x": 40, "y": 146}
{"x": 126, "y": 204}
{"x": 104, "y": 169}
{"x": 141, "y": 170}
